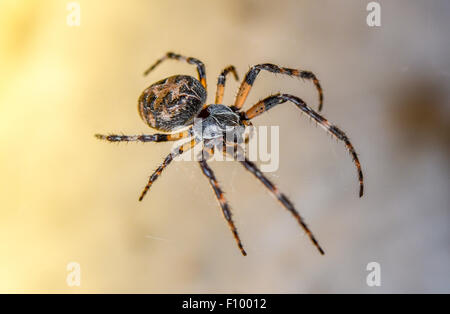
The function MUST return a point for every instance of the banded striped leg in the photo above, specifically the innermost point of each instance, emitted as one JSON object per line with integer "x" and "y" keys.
{"x": 250, "y": 166}
{"x": 254, "y": 71}
{"x": 170, "y": 55}
{"x": 176, "y": 152}
{"x": 221, "y": 82}
{"x": 272, "y": 101}
{"x": 143, "y": 137}
{"x": 207, "y": 171}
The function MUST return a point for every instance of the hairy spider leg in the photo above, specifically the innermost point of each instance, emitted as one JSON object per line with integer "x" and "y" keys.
{"x": 176, "y": 152}
{"x": 221, "y": 82}
{"x": 170, "y": 55}
{"x": 208, "y": 172}
{"x": 272, "y": 101}
{"x": 285, "y": 202}
{"x": 250, "y": 166}
{"x": 251, "y": 75}
{"x": 144, "y": 137}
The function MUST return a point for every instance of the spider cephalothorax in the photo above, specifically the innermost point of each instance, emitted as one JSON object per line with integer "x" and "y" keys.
{"x": 178, "y": 102}
{"x": 218, "y": 123}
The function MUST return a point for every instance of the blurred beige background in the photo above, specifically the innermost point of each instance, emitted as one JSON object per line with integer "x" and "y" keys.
{"x": 66, "y": 196}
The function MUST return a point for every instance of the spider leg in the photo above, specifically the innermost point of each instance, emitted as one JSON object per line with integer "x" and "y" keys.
{"x": 272, "y": 101}
{"x": 250, "y": 166}
{"x": 170, "y": 55}
{"x": 207, "y": 171}
{"x": 143, "y": 137}
{"x": 221, "y": 82}
{"x": 176, "y": 152}
{"x": 254, "y": 71}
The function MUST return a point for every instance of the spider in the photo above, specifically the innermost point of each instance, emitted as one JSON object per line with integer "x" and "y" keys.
{"x": 174, "y": 103}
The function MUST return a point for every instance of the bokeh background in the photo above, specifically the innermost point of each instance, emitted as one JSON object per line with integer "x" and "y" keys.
{"x": 67, "y": 197}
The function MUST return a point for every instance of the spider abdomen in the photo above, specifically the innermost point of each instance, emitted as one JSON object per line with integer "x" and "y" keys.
{"x": 172, "y": 102}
